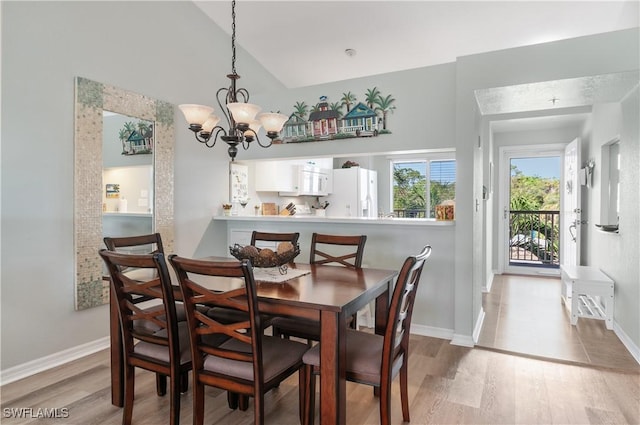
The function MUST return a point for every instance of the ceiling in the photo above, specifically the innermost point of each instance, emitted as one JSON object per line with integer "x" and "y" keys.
{"x": 303, "y": 43}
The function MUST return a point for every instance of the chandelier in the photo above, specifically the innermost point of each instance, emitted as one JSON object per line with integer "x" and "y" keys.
{"x": 243, "y": 126}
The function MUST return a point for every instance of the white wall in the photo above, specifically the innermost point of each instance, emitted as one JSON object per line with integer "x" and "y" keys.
{"x": 146, "y": 47}
{"x": 617, "y": 254}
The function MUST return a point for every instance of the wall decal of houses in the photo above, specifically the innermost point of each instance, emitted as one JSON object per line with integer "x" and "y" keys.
{"x": 326, "y": 121}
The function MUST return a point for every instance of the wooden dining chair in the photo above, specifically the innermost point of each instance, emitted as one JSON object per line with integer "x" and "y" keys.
{"x": 140, "y": 244}
{"x": 247, "y": 365}
{"x": 377, "y": 359}
{"x": 229, "y": 315}
{"x": 320, "y": 243}
{"x": 349, "y": 253}
{"x": 162, "y": 348}
{"x": 274, "y": 237}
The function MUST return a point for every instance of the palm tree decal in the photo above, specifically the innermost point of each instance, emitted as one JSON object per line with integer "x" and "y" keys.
{"x": 385, "y": 105}
{"x": 336, "y": 106}
{"x": 315, "y": 108}
{"x": 371, "y": 96}
{"x": 301, "y": 109}
{"x": 348, "y": 99}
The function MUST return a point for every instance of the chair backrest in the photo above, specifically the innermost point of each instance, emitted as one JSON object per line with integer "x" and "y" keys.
{"x": 274, "y": 237}
{"x": 143, "y": 244}
{"x": 136, "y": 277}
{"x": 320, "y": 242}
{"x": 204, "y": 330}
{"x": 396, "y": 337}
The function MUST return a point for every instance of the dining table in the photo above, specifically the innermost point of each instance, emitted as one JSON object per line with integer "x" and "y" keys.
{"x": 330, "y": 294}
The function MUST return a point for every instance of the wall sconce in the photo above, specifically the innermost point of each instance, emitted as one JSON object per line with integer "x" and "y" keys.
{"x": 586, "y": 173}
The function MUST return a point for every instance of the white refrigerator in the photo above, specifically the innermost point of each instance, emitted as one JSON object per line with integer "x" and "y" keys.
{"x": 355, "y": 193}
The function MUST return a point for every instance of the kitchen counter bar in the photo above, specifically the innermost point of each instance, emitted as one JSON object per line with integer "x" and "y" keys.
{"x": 347, "y": 220}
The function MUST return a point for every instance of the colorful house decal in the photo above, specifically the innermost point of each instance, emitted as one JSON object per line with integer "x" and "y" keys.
{"x": 295, "y": 128}
{"x": 324, "y": 120}
{"x": 361, "y": 120}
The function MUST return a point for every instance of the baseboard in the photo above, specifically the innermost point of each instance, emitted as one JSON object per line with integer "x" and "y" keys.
{"x": 462, "y": 340}
{"x": 634, "y": 350}
{"x": 432, "y": 332}
{"x": 488, "y": 283}
{"x": 44, "y": 363}
{"x": 478, "y": 327}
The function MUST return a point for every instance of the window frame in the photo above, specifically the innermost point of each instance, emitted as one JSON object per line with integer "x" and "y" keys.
{"x": 427, "y": 158}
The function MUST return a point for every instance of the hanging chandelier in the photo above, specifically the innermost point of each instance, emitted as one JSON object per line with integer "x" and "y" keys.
{"x": 243, "y": 126}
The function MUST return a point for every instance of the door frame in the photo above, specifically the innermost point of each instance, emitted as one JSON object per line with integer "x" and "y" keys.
{"x": 503, "y": 185}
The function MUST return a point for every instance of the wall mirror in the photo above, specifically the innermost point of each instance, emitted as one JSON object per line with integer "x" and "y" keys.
{"x": 105, "y": 196}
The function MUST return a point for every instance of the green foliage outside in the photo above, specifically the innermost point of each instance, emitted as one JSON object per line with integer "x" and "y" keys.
{"x": 409, "y": 190}
{"x": 534, "y": 193}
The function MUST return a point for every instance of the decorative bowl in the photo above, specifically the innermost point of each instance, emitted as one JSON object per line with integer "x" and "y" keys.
{"x": 272, "y": 259}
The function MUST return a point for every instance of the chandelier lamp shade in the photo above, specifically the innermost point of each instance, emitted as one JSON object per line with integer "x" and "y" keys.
{"x": 243, "y": 119}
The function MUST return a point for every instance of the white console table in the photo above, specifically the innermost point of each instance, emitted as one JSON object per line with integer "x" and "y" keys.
{"x": 590, "y": 292}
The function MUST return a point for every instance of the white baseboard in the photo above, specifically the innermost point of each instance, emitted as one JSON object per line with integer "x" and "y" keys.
{"x": 478, "y": 327}
{"x": 462, "y": 340}
{"x": 634, "y": 350}
{"x": 44, "y": 363}
{"x": 489, "y": 283}
{"x": 432, "y": 332}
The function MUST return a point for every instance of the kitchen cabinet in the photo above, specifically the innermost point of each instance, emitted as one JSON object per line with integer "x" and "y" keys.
{"x": 275, "y": 176}
{"x": 299, "y": 177}
{"x": 310, "y": 181}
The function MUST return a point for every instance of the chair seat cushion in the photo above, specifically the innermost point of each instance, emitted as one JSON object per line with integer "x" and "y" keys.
{"x": 161, "y": 352}
{"x": 278, "y": 355}
{"x": 364, "y": 355}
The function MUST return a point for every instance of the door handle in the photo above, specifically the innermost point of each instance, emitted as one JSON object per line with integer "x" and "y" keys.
{"x": 573, "y": 235}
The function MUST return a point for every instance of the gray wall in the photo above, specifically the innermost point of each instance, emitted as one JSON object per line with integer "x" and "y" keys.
{"x": 148, "y": 47}
{"x": 617, "y": 254}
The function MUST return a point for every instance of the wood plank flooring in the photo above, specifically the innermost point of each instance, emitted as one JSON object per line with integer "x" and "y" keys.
{"x": 447, "y": 385}
{"x": 524, "y": 315}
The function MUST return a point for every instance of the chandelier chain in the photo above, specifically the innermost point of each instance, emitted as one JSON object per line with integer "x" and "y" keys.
{"x": 233, "y": 37}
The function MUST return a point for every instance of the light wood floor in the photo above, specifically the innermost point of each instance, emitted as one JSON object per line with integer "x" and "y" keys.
{"x": 447, "y": 385}
{"x": 524, "y": 315}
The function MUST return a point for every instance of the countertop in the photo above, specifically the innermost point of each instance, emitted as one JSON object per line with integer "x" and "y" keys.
{"x": 353, "y": 220}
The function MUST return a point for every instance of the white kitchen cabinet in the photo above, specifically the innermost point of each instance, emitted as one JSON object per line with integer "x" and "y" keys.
{"x": 275, "y": 176}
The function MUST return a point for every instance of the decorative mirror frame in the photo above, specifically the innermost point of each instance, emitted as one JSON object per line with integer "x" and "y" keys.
{"x": 91, "y": 99}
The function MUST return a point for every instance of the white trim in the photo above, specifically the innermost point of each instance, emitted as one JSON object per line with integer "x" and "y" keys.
{"x": 424, "y": 330}
{"x": 634, "y": 350}
{"x": 478, "y": 327}
{"x": 505, "y": 153}
{"x": 489, "y": 281}
{"x": 44, "y": 363}
{"x": 462, "y": 340}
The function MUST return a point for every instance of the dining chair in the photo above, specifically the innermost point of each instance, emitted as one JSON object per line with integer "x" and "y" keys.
{"x": 343, "y": 254}
{"x": 144, "y": 244}
{"x": 247, "y": 365}
{"x": 274, "y": 237}
{"x": 162, "y": 348}
{"x": 377, "y": 359}
{"x": 229, "y": 315}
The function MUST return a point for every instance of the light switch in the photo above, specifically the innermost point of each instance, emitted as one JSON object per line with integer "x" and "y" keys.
{"x": 144, "y": 193}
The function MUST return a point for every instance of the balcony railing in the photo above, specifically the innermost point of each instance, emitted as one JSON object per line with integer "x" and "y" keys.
{"x": 534, "y": 238}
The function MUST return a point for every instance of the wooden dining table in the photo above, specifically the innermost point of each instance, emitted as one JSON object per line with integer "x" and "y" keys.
{"x": 330, "y": 294}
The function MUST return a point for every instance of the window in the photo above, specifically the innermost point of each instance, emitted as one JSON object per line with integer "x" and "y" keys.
{"x": 421, "y": 184}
